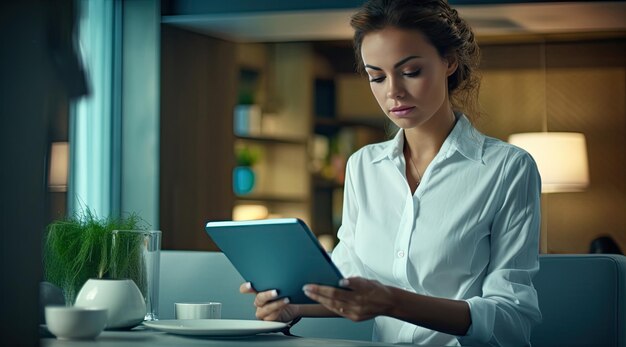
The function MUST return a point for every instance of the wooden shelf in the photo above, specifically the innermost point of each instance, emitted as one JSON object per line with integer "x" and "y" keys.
{"x": 275, "y": 140}
{"x": 364, "y": 122}
{"x": 271, "y": 198}
{"x": 332, "y": 126}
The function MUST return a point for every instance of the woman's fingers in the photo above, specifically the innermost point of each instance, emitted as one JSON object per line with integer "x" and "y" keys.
{"x": 263, "y": 298}
{"x": 272, "y": 310}
{"x": 246, "y": 288}
{"x": 357, "y": 298}
{"x": 328, "y": 292}
{"x": 332, "y": 298}
{"x": 268, "y": 306}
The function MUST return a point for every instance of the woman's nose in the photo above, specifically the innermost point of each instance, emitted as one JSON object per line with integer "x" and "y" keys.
{"x": 396, "y": 89}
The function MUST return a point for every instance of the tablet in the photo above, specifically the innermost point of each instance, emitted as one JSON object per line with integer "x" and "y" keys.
{"x": 281, "y": 254}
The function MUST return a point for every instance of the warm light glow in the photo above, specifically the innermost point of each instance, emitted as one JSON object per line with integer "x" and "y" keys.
{"x": 327, "y": 241}
{"x": 561, "y": 159}
{"x": 250, "y": 212}
{"x": 59, "y": 159}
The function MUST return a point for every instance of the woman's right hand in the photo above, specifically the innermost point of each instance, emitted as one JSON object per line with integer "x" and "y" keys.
{"x": 270, "y": 309}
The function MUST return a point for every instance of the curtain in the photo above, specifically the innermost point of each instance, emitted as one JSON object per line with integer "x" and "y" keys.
{"x": 94, "y": 118}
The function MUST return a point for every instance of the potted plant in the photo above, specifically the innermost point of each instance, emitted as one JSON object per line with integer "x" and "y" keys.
{"x": 82, "y": 247}
{"x": 243, "y": 174}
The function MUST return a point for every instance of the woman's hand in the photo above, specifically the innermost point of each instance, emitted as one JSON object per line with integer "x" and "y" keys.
{"x": 366, "y": 299}
{"x": 270, "y": 309}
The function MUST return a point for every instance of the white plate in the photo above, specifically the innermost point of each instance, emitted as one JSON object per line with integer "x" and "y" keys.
{"x": 215, "y": 327}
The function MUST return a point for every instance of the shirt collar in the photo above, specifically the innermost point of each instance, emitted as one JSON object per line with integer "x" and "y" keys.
{"x": 463, "y": 138}
{"x": 394, "y": 149}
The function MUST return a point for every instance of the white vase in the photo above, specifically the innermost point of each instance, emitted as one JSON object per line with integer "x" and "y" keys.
{"x": 121, "y": 297}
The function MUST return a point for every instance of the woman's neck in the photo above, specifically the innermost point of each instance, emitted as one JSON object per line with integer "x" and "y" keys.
{"x": 425, "y": 140}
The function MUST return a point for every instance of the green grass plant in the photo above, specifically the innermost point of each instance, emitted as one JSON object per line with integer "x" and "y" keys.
{"x": 80, "y": 247}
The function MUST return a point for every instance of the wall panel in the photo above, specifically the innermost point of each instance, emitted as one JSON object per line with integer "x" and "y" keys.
{"x": 198, "y": 83}
{"x": 584, "y": 91}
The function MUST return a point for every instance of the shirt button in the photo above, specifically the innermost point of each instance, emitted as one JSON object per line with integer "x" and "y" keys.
{"x": 400, "y": 254}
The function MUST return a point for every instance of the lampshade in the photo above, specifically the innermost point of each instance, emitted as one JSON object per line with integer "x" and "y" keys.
{"x": 561, "y": 159}
{"x": 59, "y": 158}
{"x": 250, "y": 212}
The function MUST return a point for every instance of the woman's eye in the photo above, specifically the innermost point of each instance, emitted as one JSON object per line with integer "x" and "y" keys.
{"x": 377, "y": 79}
{"x": 411, "y": 73}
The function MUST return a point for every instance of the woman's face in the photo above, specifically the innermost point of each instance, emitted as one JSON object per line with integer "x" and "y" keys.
{"x": 407, "y": 76}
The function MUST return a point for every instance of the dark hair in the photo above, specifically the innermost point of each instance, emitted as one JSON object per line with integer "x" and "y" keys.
{"x": 604, "y": 244}
{"x": 442, "y": 26}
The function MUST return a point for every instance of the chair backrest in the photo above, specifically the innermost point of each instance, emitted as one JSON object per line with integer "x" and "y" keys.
{"x": 190, "y": 276}
{"x": 209, "y": 276}
{"x": 582, "y": 298}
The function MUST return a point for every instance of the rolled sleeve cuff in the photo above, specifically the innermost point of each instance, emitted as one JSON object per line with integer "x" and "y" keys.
{"x": 483, "y": 314}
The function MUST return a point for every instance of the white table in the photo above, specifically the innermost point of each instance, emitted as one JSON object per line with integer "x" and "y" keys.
{"x": 145, "y": 338}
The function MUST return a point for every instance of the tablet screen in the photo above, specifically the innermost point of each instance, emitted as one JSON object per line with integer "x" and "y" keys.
{"x": 281, "y": 254}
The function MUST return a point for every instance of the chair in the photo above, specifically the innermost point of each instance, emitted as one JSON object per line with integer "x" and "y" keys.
{"x": 582, "y": 298}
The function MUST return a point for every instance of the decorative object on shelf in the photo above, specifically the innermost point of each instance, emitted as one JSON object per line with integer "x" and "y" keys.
{"x": 247, "y": 120}
{"x": 247, "y": 155}
{"x": 243, "y": 180}
{"x": 247, "y": 114}
{"x": 86, "y": 247}
{"x": 243, "y": 174}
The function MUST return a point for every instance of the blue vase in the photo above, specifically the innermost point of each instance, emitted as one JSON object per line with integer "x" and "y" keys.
{"x": 243, "y": 180}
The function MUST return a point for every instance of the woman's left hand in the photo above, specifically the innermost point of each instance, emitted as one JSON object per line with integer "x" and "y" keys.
{"x": 366, "y": 299}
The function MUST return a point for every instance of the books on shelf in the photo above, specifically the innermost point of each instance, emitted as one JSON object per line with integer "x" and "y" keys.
{"x": 247, "y": 120}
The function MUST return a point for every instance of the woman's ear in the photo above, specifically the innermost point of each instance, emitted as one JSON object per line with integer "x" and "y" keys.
{"x": 453, "y": 64}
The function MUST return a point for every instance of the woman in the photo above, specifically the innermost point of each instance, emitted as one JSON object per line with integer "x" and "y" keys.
{"x": 439, "y": 237}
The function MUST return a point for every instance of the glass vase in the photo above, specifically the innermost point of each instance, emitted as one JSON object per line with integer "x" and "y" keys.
{"x": 135, "y": 255}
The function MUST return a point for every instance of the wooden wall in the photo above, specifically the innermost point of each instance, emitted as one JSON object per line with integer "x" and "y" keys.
{"x": 584, "y": 91}
{"x": 198, "y": 77}
{"x": 581, "y": 89}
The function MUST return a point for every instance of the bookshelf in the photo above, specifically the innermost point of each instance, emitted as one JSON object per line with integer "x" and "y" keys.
{"x": 339, "y": 128}
{"x": 277, "y": 132}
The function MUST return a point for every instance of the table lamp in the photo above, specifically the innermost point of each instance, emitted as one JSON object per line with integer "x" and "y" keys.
{"x": 561, "y": 158}
{"x": 59, "y": 159}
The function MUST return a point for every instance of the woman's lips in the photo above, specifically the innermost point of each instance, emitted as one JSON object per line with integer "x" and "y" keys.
{"x": 401, "y": 111}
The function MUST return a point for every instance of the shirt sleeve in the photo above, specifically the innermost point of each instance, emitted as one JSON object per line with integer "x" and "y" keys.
{"x": 343, "y": 254}
{"x": 508, "y": 307}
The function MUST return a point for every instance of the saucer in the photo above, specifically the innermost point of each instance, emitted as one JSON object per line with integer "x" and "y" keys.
{"x": 215, "y": 327}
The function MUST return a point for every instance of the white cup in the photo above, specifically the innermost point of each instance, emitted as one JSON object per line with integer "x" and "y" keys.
{"x": 198, "y": 310}
{"x": 69, "y": 323}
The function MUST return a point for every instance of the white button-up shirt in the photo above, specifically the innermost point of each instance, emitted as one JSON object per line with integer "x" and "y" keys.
{"x": 469, "y": 232}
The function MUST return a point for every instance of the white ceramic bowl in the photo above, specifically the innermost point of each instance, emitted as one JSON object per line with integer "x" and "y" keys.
{"x": 122, "y": 298}
{"x": 69, "y": 323}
